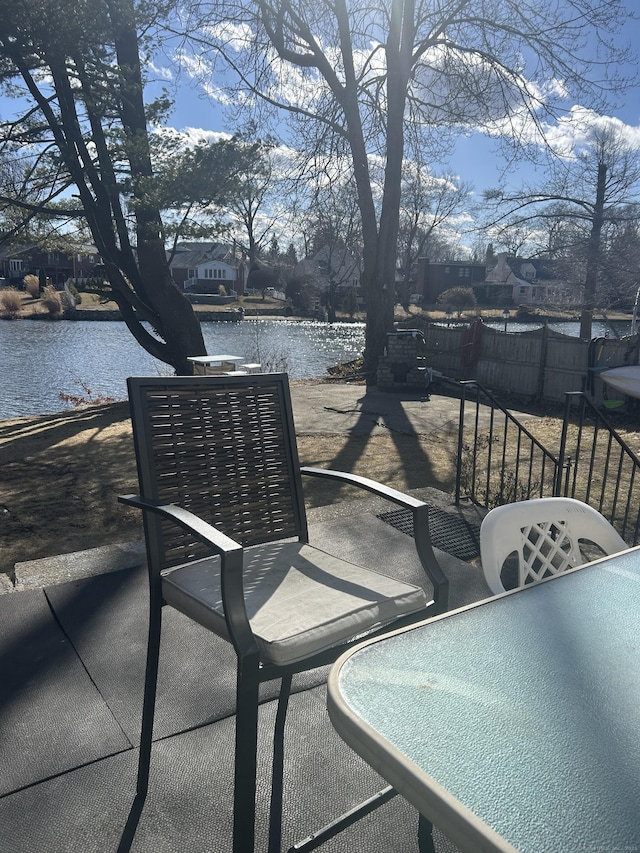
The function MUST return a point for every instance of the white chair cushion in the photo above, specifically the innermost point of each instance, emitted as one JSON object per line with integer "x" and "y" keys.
{"x": 299, "y": 600}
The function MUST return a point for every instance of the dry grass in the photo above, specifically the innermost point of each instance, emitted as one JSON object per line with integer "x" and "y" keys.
{"x": 11, "y": 301}
{"x": 52, "y": 301}
{"x": 62, "y": 473}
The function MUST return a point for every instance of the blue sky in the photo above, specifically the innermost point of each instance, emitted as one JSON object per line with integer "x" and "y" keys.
{"x": 475, "y": 159}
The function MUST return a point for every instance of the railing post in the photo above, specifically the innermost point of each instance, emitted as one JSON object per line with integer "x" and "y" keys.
{"x": 557, "y": 480}
{"x": 463, "y": 398}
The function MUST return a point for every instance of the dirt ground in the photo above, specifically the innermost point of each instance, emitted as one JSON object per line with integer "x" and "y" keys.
{"x": 62, "y": 473}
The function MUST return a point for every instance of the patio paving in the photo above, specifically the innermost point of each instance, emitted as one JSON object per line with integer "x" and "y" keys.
{"x": 72, "y": 653}
{"x": 71, "y": 669}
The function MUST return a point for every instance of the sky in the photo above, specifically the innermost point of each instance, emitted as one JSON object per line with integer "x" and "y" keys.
{"x": 474, "y": 159}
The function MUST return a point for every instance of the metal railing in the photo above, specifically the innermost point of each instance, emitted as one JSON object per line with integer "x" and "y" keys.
{"x": 598, "y": 466}
{"x": 501, "y": 461}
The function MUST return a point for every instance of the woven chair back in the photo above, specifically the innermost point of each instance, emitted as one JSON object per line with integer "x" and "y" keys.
{"x": 224, "y": 448}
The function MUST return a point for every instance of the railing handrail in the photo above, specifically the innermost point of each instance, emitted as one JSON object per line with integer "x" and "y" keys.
{"x": 495, "y": 404}
{"x": 599, "y": 460}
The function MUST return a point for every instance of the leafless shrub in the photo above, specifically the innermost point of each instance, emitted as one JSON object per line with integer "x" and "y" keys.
{"x": 85, "y": 397}
{"x": 52, "y": 301}
{"x": 32, "y": 286}
{"x": 11, "y": 302}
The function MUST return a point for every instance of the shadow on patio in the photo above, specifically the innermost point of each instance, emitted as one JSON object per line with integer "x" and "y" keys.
{"x": 71, "y": 666}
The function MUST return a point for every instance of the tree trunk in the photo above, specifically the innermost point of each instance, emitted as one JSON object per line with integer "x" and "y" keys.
{"x": 593, "y": 255}
{"x": 171, "y": 313}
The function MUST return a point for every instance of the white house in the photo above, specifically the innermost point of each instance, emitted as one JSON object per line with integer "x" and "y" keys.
{"x": 203, "y": 267}
{"x": 529, "y": 281}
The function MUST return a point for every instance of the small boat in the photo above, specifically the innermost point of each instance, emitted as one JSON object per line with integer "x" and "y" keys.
{"x": 625, "y": 379}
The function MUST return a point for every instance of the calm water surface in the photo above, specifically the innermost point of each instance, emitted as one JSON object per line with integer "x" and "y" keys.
{"x": 616, "y": 329}
{"x": 40, "y": 360}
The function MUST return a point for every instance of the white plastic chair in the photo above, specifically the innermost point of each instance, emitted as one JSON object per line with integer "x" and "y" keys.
{"x": 548, "y": 536}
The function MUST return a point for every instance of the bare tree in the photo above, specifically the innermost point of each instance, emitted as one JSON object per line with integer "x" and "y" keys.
{"x": 427, "y": 203}
{"x": 578, "y": 198}
{"x": 332, "y": 235}
{"x": 80, "y": 69}
{"x": 254, "y": 205}
{"x": 352, "y": 75}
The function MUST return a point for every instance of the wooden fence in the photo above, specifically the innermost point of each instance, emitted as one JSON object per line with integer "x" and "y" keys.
{"x": 540, "y": 364}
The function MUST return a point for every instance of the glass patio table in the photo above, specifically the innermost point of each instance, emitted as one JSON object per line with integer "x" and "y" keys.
{"x": 514, "y": 723}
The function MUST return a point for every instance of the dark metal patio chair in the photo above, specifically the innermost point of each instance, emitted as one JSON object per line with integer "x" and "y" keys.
{"x": 221, "y": 491}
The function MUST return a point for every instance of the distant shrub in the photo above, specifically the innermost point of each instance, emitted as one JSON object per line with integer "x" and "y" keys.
{"x": 222, "y": 290}
{"x": 458, "y": 298}
{"x": 52, "y": 301}
{"x": 73, "y": 290}
{"x": 11, "y": 301}
{"x": 85, "y": 397}
{"x": 32, "y": 285}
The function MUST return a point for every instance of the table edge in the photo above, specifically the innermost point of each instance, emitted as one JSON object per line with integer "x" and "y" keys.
{"x": 446, "y": 812}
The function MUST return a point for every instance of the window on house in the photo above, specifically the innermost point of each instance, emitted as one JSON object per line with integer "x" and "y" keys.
{"x": 192, "y": 273}
{"x": 15, "y": 265}
{"x": 52, "y": 257}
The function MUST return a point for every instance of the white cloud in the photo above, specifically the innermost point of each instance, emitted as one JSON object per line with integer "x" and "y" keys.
{"x": 189, "y": 137}
{"x": 161, "y": 72}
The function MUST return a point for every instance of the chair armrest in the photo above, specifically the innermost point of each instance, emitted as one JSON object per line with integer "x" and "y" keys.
{"x": 231, "y": 562}
{"x": 201, "y": 530}
{"x": 374, "y": 486}
{"x": 420, "y": 511}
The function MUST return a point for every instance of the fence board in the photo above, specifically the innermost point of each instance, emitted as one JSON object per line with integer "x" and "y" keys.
{"x": 538, "y": 364}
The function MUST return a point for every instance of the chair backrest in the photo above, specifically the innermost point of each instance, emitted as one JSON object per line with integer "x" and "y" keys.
{"x": 223, "y": 447}
{"x": 548, "y": 536}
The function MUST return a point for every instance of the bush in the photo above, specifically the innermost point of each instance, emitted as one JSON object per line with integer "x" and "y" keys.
{"x": 222, "y": 290}
{"x": 52, "y": 301}
{"x": 32, "y": 286}
{"x": 11, "y": 301}
{"x": 458, "y": 298}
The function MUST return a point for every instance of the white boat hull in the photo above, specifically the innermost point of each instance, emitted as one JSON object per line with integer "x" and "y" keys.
{"x": 626, "y": 380}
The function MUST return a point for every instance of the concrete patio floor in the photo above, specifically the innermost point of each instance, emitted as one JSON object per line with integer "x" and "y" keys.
{"x": 71, "y": 670}
{"x": 72, "y": 654}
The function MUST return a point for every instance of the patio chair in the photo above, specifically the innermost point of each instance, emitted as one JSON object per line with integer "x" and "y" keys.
{"x": 227, "y": 545}
{"x": 547, "y": 535}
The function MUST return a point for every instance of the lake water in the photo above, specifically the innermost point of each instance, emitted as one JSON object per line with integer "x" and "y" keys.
{"x": 615, "y": 329}
{"x": 39, "y": 360}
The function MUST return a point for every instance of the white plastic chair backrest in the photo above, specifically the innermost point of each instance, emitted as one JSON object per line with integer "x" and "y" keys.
{"x": 545, "y": 534}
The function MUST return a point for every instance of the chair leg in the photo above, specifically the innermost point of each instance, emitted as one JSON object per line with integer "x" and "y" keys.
{"x": 149, "y": 700}
{"x": 246, "y": 747}
{"x": 277, "y": 772}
